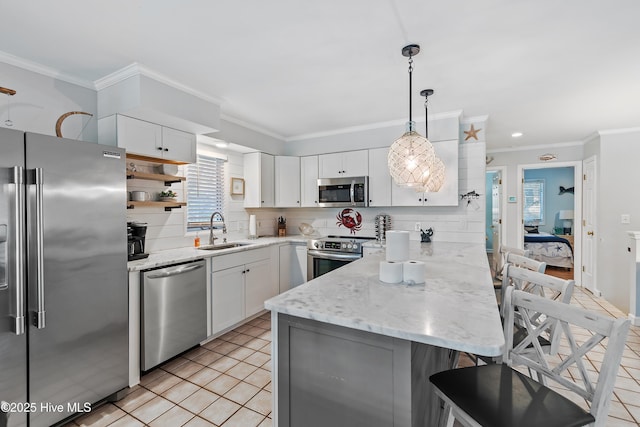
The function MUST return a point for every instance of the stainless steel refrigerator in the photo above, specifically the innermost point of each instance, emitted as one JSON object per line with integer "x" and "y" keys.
{"x": 63, "y": 276}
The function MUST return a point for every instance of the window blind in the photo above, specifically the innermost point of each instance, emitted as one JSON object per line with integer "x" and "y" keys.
{"x": 205, "y": 190}
{"x": 534, "y": 202}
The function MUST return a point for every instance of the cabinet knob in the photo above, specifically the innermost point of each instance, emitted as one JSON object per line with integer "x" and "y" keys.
{"x": 166, "y": 149}
{"x": 419, "y": 200}
{"x": 248, "y": 270}
{"x": 159, "y": 148}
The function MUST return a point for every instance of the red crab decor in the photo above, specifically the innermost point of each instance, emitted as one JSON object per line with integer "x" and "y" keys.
{"x": 350, "y": 219}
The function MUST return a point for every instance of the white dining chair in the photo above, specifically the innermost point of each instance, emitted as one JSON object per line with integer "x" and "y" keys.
{"x": 498, "y": 395}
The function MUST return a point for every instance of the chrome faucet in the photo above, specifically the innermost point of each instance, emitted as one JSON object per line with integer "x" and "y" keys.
{"x": 212, "y": 238}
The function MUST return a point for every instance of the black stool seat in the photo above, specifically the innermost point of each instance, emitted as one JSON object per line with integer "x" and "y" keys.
{"x": 498, "y": 396}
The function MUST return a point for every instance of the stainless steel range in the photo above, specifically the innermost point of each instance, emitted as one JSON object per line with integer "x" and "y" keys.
{"x": 328, "y": 253}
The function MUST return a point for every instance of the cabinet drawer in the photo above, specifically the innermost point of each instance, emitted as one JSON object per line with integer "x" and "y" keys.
{"x": 223, "y": 262}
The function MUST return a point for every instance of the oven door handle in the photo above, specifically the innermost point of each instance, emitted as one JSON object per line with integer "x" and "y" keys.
{"x": 352, "y": 191}
{"x": 334, "y": 256}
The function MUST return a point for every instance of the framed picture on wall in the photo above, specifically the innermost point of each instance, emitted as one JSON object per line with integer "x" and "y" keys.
{"x": 237, "y": 186}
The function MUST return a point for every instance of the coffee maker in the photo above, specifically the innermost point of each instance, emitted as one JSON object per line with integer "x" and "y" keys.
{"x": 136, "y": 232}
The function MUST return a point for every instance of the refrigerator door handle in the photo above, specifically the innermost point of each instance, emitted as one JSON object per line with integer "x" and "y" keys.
{"x": 39, "y": 314}
{"x": 16, "y": 234}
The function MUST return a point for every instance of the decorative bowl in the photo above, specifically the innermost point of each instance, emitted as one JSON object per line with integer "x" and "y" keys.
{"x": 306, "y": 229}
{"x": 168, "y": 199}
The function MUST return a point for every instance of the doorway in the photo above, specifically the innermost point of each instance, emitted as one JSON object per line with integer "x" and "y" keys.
{"x": 495, "y": 222}
{"x": 550, "y": 213}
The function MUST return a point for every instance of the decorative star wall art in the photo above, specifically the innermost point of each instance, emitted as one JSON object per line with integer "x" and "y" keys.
{"x": 472, "y": 133}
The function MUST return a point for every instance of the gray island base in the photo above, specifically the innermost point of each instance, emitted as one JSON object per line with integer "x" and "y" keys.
{"x": 349, "y": 350}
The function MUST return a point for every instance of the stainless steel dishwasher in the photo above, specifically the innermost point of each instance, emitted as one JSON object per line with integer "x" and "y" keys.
{"x": 173, "y": 311}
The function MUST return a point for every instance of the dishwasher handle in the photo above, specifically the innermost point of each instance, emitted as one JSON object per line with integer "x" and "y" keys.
{"x": 176, "y": 272}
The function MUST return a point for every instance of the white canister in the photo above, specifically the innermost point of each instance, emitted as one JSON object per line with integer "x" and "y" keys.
{"x": 390, "y": 272}
{"x": 397, "y": 245}
{"x": 413, "y": 272}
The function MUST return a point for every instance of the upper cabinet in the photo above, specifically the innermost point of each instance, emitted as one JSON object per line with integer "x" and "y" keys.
{"x": 309, "y": 181}
{"x": 287, "y": 181}
{"x": 147, "y": 139}
{"x": 345, "y": 164}
{"x": 448, "y": 194}
{"x": 178, "y": 145}
{"x": 259, "y": 180}
{"x": 379, "y": 178}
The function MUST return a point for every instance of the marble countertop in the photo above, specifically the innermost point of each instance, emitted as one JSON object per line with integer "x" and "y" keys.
{"x": 456, "y": 308}
{"x": 173, "y": 256}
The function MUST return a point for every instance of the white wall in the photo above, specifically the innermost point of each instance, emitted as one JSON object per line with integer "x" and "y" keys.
{"x": 617, "y": 194}
{"x": 166, "y": 230}
{"x": 40, "y": 100}
{"x": 511, "y": 160}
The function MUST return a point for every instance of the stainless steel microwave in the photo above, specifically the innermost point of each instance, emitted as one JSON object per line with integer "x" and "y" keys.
{"x": 338, "y": 192}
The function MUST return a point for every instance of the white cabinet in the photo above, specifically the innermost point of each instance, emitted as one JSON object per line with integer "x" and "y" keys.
{"x": 379, "y": 178}
{"x": 309, "y": 181}
{"x": 257, "y": 286}
{"x": 147, "y": 139}
{"x": 259, "y": 180}
{"x": 240, "y": 284}
{"x": 178, "y": 145}
{"x": 138, "y": 136}
{"x": 346, "y": 164}
{"x": 227, "y": 297}
{"x": 448, "y": 195}
{"x": 293, "y": 266}
{"x": 287, "y": 181}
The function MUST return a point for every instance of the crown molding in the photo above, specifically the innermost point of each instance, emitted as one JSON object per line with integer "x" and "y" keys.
{"x": 536, "y": 147}
{"x": 473, "y": 119}
{"x": 373, "y": 126}
{"x": 35, "y": 67}
{"x": 135, "y": 69}
{"x": 250, "y": 126}
{"x": 618, "y": 131}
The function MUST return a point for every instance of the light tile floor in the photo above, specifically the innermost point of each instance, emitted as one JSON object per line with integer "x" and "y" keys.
{"x": 227, "y": 382}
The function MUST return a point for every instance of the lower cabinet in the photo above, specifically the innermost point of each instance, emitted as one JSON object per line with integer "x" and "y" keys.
{"x": 293, "y": 266}
{"x": 257, "y": 287}
{"x": 227, "y": 297}
{"x": 240, "y": 284}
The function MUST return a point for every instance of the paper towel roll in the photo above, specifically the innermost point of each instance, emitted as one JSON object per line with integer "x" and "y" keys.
{"x": 390, "y": 271}
{"x": 413, "y": 272}
{"x": 397, "y": 245}
{"x": 252, "y": 226}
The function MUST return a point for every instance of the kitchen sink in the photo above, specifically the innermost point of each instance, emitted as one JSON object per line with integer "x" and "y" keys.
{"x": 221, "y": 246}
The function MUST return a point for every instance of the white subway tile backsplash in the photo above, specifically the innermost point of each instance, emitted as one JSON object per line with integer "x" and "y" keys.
{"x": 462, "y": 223}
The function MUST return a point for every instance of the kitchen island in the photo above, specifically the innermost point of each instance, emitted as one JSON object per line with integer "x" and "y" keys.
{"x": 349, "y": 350}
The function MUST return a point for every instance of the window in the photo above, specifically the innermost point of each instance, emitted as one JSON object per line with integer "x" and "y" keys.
{"x": 534, "y": 202}
{"x": 205, "y": 191}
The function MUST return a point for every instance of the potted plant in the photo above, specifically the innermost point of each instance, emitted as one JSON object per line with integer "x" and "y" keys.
{"x": 168, "y": 196}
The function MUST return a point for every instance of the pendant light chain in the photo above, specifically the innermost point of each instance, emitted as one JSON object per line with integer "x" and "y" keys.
{"x": 410, "y": 91}
{"x": 426, "y": 116}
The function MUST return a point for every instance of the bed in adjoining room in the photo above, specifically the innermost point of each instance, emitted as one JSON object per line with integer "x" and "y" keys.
{"x": 555, "y": 251}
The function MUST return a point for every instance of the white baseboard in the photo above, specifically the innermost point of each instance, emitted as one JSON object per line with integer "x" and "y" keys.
{"x": 635, "y": 321}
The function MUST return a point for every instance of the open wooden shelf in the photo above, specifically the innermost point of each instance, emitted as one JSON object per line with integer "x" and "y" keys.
{"x": 167, "y": 179}
{"x": 168, "y": 206}
{"x": 154, "y": 159}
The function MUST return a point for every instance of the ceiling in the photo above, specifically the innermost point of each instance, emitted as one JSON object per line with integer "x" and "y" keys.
{"x": 555, "y": 70}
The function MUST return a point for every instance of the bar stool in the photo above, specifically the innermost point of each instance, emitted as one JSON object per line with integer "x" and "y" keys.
{"x": 500, "y": 396}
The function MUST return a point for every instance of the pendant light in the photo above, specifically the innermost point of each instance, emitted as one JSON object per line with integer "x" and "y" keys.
{"x": 436, "y": 177}
{"x": 411, "y": 156}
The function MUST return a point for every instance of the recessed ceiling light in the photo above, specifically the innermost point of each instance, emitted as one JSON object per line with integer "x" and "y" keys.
{"x": 222, "y": 144}
{"x": 516, "y": 134}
